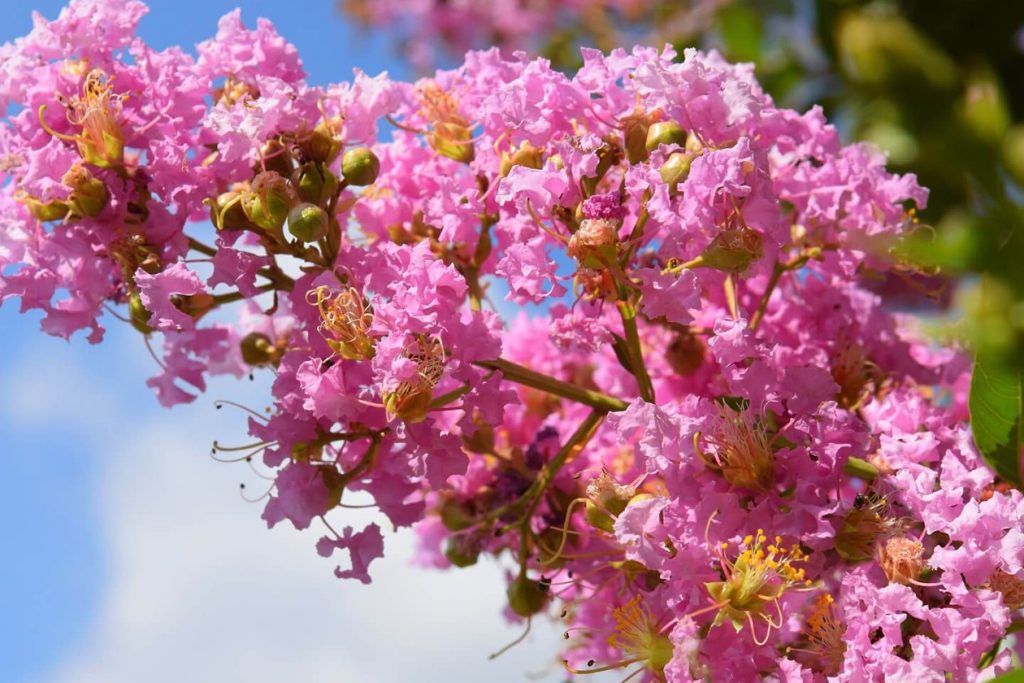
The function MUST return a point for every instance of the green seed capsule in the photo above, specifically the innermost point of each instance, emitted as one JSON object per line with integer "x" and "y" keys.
{"x": 360, "y": 166}
{"x": 307, "y": 222}
{"x": 665, "y": 133}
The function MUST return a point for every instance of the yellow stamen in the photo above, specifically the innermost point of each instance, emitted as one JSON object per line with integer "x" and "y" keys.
{"x": 345, "y": 320}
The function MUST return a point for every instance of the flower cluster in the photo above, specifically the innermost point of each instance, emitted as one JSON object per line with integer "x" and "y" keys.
{"x": 712, "y": 449}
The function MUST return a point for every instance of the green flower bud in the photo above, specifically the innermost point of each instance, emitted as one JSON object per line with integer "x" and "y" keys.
{"x": 268, "y": 201}
{"x": 665, "y": 133}
{"x": 732, "y": 250}
{"x": 360, "y": 166}
{"x": 89, "y": 194}
{"x": 307, "y": 222}
{"x": 453, "y": 140}
{"x": 481, "y": 440}
{"x": 411, "y": 406}
{"x": 138, "y": 314}
{"x": 277, "y": 157}
{"x": 456, "y": 515}
{"x": 322, "y": 145}
{"x": 226, "y": 212}
{"x": 461, "y": 551}
{"x": 314, "y": 183}
{"x": 526, "y": 597}
{"x": 598, "y": 518}
{"x": 676, "y": 169}
{"x": 527, "y": 155}
{"x": 635, "y": 138}
{"x": 258, "y": 351}
{"x": 46, "y": 211}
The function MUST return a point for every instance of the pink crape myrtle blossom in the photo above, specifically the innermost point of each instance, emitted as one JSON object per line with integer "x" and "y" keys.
{"x": 712, "y": 451}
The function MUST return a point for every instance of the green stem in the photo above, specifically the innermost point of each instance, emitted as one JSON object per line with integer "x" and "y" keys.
{"x": 637, "y": 232}
{"x": 762, "y": 305}
{"x": 628, "y": 312}
{"x": 230, "y": 297}
{"x": 273, "y": 274}
{"x": 778, "y": 270}
{"x": 535, "y": 495}
{"x": 860, "y": 468}
{"x": 530, "y": 378}
{"x": 446, "y": 398}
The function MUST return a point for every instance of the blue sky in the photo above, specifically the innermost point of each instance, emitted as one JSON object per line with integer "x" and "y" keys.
{"x": 127, "y": 554}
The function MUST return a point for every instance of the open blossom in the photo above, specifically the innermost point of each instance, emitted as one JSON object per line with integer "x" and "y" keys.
{"x": 712, "y": 451}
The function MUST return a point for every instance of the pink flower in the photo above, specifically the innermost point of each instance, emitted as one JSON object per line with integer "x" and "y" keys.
{"x": 160, "y": 292}
{"x": 363, "y": 546}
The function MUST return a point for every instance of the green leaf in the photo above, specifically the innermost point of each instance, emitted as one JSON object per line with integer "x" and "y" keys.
{"x": 1011, "y": 677}
{"x": 995, "y": 406}
{"x": 742, "y": 32}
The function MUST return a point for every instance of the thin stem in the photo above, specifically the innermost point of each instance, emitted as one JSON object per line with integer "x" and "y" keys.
{"x": 446, "y": 398}
{"x": 762, "y": 305}
{"x": 571, "y": 448}
{"x": 230, "y": 297}
{"x": 530, "y": 378}
{"x": 730, "y": 296}
{"x": 860, "y": 468}
{"x": 272, "y": 273}
{"x": 535, "y": 494}
{"x": 798, "y": 261}
{"x": 628, "y": 312}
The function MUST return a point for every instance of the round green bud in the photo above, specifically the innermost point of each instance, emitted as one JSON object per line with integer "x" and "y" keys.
{"x": 314, "y": 183}
{"x": 307, "y": 222}
{"x": 276, "y": 157}
{"x": 360, "y": 166}
{"x": 635, "y": 139}
{"x": 676, "y": 168}
{"x": 598, "y": 518}
{"x": 268, "y": 201}
{"x": 665, "y": 133}
{"x": 460, "y": 553}
{"x": 526, "y": 597}
{"x": 226, "y": 212}
{"x": 138, "y": 314}
{"x": 733, "y": 250}
{"x": 322, "y": 144}
{"x": 455, "y": 515}
{"x": 257, "y": 349}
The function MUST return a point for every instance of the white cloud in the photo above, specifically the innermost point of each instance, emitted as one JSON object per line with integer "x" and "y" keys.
{"x": 199, "y": 590}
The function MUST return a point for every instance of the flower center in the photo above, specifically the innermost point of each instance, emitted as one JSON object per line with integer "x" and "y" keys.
{"x": 743, "y": 452}
{"x": 345, "y": 319}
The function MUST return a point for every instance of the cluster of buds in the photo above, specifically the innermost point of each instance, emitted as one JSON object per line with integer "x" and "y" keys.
{"x": 295, "y": 185}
